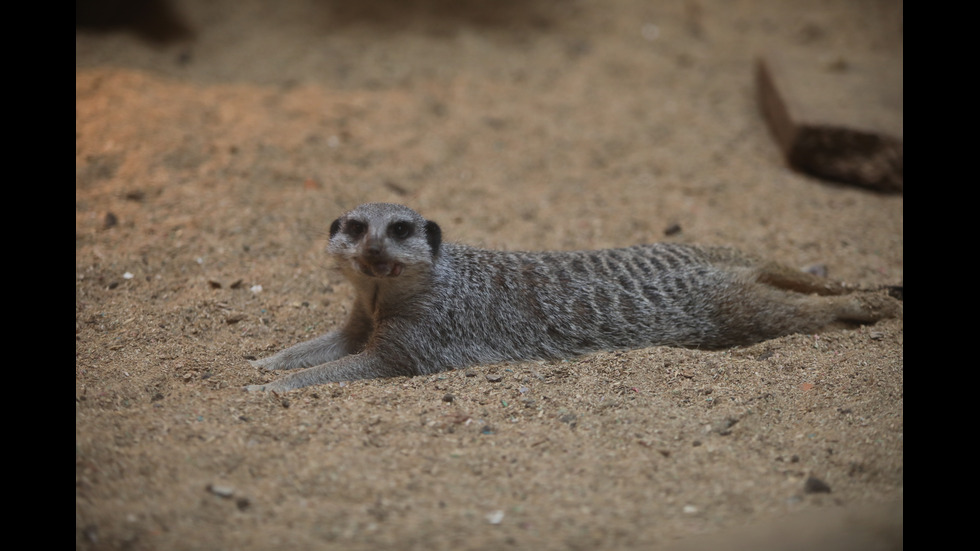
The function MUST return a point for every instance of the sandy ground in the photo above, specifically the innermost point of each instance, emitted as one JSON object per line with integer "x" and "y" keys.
{"x": 209, "y": 163}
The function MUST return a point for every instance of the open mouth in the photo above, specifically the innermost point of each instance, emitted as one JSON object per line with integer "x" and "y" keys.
{"x": 379, "y": 269}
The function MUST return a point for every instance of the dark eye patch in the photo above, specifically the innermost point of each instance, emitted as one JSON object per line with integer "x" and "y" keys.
{"x": 400, "y": 229}
{"x": 355, "y": 228}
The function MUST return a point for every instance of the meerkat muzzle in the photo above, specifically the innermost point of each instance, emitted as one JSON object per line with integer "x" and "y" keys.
{"x": 379, "y": 268}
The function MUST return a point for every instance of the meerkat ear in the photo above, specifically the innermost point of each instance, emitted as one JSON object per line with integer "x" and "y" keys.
{"x": 334, "y": 227}
{"x": 433, "y": 234}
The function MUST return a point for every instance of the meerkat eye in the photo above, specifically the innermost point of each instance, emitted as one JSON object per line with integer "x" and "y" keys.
{"x": 400, "y": 230}
{"x": 355, "y": 228}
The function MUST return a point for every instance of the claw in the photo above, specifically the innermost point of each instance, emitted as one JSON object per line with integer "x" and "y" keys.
{"x": 263, "y": 363}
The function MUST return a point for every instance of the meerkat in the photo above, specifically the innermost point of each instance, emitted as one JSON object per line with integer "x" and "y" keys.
{"x": 423, "y": 306}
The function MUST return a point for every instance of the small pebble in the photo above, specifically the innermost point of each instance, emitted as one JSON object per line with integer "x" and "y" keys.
{"x": 819, "y": 270}
{"x": 221, "y": 491}
{"x": 724, "y": 426}
{"x": 814, "y": 485}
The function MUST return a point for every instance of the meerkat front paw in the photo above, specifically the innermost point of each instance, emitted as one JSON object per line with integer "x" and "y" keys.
{"x": 264, "y": 363}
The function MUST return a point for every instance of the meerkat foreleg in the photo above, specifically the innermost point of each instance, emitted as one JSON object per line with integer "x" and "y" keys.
{"x": 366, "y": 365}
{"x": 320, "y": 350}
{"x": 331, "y": 346}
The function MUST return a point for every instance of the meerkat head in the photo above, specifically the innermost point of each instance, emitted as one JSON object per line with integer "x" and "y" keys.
{"x": 384, "y": 240}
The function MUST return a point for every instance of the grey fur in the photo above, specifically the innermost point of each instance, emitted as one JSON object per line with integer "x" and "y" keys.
{"x": 424, "y": 306}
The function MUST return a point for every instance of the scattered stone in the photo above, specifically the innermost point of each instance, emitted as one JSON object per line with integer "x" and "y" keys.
{"x": 495, "y": 517}
{"x": 724, "y": 426}
{"x": 494, "y": 378}
{"x": 814, "y": 485}
{"x": 569, "y": 418}
{"x": 448, "y": 398}
{"x": 397, "y": 188}
{"x": 221, "y": 491}
{"x": 819, "y": 270}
